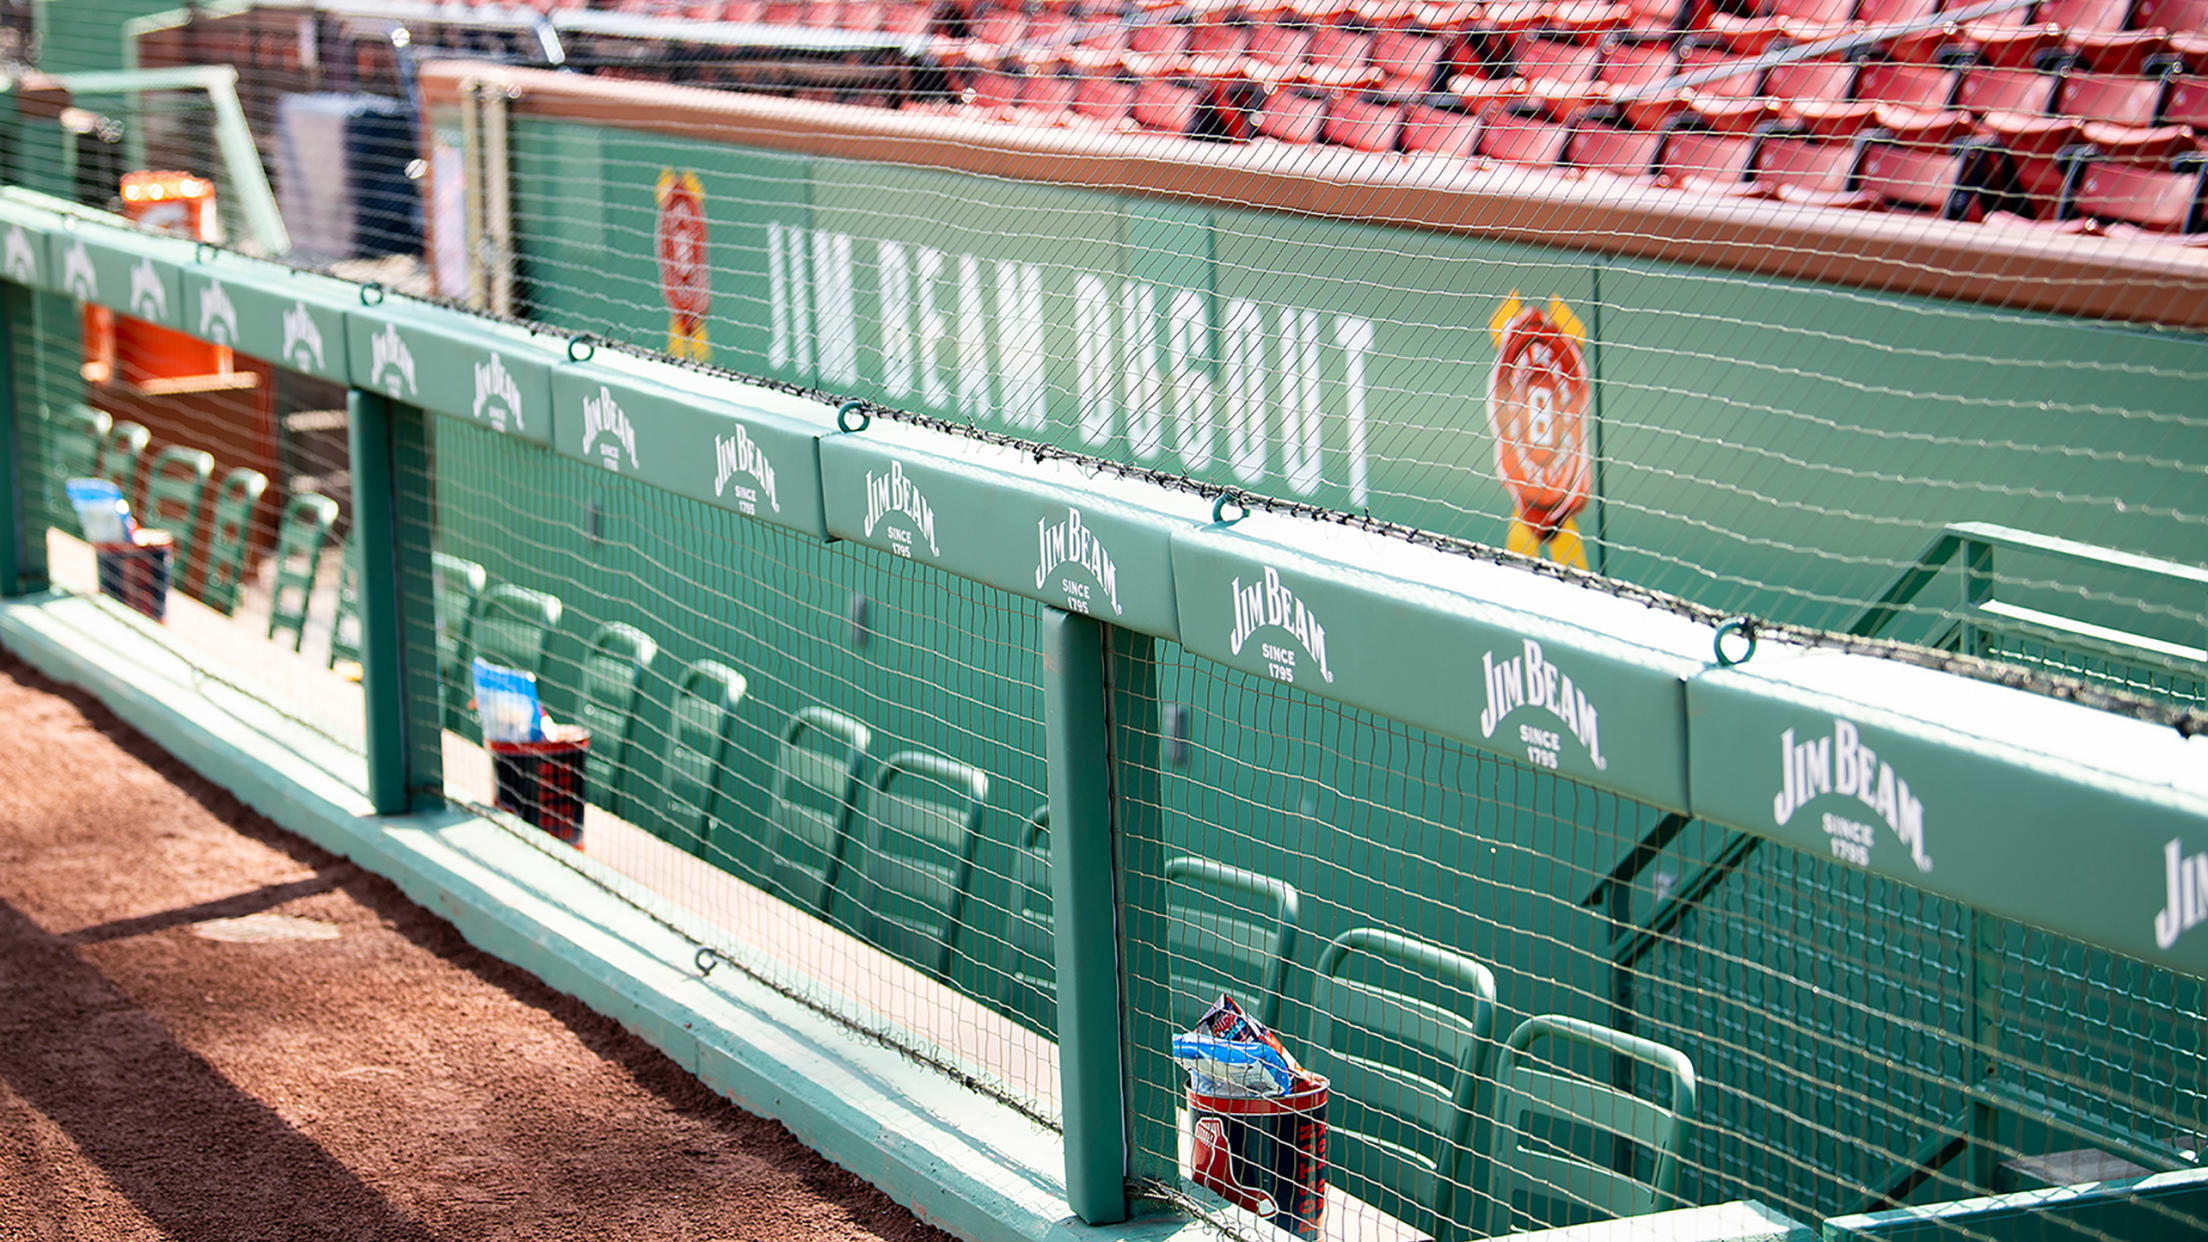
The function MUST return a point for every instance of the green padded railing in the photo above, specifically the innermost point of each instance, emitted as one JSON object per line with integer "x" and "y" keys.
{"x": 615, "y": 662}
{"x": 302, "y": 533}
{"x": 806, "y": 842}
{"x": 701, "y": 736}
{"x": 456, "y": 586}
{"x": 230, "y": 538}
{"x": 1227, "y": 930}
{"x": 1530, "y": 1168}
{"x": 175, "y": 495}
{"x": 1405, "y": 1071}
{"x": 1031, "y": 976}
{"x": 923, "y": 826}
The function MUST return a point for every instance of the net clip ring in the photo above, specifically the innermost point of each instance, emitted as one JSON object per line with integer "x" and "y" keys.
{"x": 850, "y": 410}
{"x": 1225, "y": 501}
{"x": 707, "y": 958}
{"x": 204, "y": 251}
{"x": 581, "y": 349}
{"x": 371, "y": 293}
{"x": 1745, "y": 627}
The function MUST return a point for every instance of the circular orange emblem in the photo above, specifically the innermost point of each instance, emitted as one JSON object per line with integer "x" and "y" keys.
{"x": 1537, "y": 398}
{"x": 683, "y": 279}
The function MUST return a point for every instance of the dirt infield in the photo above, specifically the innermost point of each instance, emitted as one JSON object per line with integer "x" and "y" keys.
{"x": 210, "y": 1029}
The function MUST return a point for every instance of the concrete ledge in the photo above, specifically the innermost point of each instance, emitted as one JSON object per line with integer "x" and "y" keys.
{"x": 1725, "y": 1222}
{"x": 954, "y": 1158}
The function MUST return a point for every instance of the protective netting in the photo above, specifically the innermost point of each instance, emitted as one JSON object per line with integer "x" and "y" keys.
{"x": 1526, "y": 1026}
{"x": 238, "y": 471}
{"x": 827, "y": 758}
{"x": 1744, "y": 301}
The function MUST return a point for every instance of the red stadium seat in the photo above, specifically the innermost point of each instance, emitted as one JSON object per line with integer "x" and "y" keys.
{"x": 1700, "y": 160}
{"x": 2076, "y": 15}
{"x": 1168, "y": 106}
{"x": 1830, "y": 118}
{"x": 1931, "y": 87}
{"x": 1811, "y": 79}
{"x": 1431, "y": 127}
{"x": 1161, "y": 38}
{"x": 1046, "y": 99}
{"x": 1106, "y": 102}
{"x": 1804, "y": 170}
{"x": 1586, "y": 21}
{"x": 2190, "y": 49}
{"x": 2172, "y": 15}
{"x": 1341, "y": 57}
{"x": 2100, "y": 97}
{"x": 2187, "y": 102}
{"x": 1614, "y": 150}
{"x": 1945, "y": 182}
{"x": 1408, "y": 60}
{"x": 1280, "y": 45}
{"x": 2035, "y": 147}
{"x": 1524, "y": 135}
{"x": 994, "y": 91}
{"x": 2152, "y": 200}
{"x": 822, "y": 16}
{"x": 2011, "y": 47}
{"x": 1628, "y": 63}
{"x": 1892, "y": 12}
{"x": 1801, "y": 21}
{"x": 1215, "y": 35}
{"x": 2023, "y": 91}
{"x": 908, "y": 19}
{"x": 1365, "y": 122}
{"x": 1922, "y": 126}
{"x": 1697, "y": 54}
{"x": 1736, "y": 116}
{"x": 2118, "y": 51}
{"x": 1292, "y": 116}
{"x": 2136, "y": 144}
{"x": 1557, "y": 60}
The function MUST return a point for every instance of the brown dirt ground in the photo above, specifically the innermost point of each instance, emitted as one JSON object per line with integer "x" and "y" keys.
{"x": 387, "y": 1082}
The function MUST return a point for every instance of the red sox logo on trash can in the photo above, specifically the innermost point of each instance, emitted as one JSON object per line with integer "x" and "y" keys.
{"x": 684, "y": 278}
{"x": 1537, "y": 402}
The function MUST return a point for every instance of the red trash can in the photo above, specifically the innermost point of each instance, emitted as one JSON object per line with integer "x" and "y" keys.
{"x": 137, "y": 573}
{"x": 544, "y": 782}
{"x": 1266, "y": 1156}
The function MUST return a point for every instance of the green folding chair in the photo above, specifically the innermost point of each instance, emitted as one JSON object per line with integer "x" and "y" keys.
{"x": 455, "y": 587}
{"x": 816, "y": 795}
{"x": 302, "y": 533}
{"x": 120, "y": 452}
{"x": 923, "y": 827}
{"x": 701, "y": 736}
{"x": 615, "y": 663}
{"x": 1551, "y": 1131}
{"x": 230, "y": 537}
{"x": 1402, "y": 1029}
{"x": 1031, "y": 977}
{"x": 345, "y": 626}
{"x": 79, "y": 434}
{"x": 1227, "y": 930}
{"x": 513, "y": 628}
{"x": 176, "y": 493}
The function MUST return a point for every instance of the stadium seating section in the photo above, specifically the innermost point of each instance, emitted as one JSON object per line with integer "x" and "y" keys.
{"x": 2061, "y": 116}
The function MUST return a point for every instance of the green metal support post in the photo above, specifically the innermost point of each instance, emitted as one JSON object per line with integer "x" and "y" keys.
{"x": 1138, "y": 841}
{"x": 398, "y": 633}
{"x": 15, "y": 525}
{"x": 1084, "y": 899}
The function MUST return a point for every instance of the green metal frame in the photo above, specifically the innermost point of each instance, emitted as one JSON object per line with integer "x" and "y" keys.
{"x": 302, "y": 534}
{"x": 1411, "y": 1132}
{"x": 175, "y": 498}
{"x": 345, "y": 623}
{"x": 797, "y": 834}
{"x": 701, "y": 733}
{"x": 919, "y": 861}
{"x": 616, "y": 661}
{"x": 1520, "y": 1091}
{"x": 230, "y": 538}
{"x": 1239, "y": 954}
{"x": 79, "y": 440}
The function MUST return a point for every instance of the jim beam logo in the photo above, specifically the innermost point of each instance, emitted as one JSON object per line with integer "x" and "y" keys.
{"x": 1528, "y": 681}
{"x": 218, "y": 319}
{"x": 79, "y": 278}
{"x": 737, "y": 457}
{"x": 603, "y": 417}
{"x": 387, "y": 352}
{"x": 497, "y": 396}
{"x": 1840, "y": 765}
{"x": 1266, "y": 604}
{"x": 21, "y": 260}
{"x": 893, "y": 495}
{"x": 2186, "y": 905}
{"x": 149, "y": 296}
{"x": 1070, "y": 544}
{"x": 303, "y": 339}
